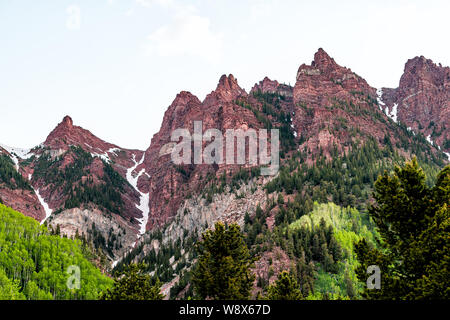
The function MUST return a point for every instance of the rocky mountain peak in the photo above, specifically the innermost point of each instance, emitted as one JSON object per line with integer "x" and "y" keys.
{"x": 184, "y": 105}
{"x": 184, "y": 98}
{"x": 227, "y": 82}
{"x": 65, "y": 125}
{"x": 67, "y": 121}
{"x": 62, "y": 130}
{"x": 322, "y": 60}
{"x": 418, "y": 63}
{"x": 266, "y": 85}
{"x": 327, "y": 111}
{"x": 421, "y": 69}
{"x": 227, "y": 90}
{"x": 66, "y": 134}
{"x": 324, "y": 78}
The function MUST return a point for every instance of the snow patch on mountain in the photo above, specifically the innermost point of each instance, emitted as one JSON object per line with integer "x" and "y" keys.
{"x": 144, "y": 197}
{"x": 439, "y": 147}
{"x": 393, "y": 113}
{"x": 411, "y": 130}
{"x": 18, "y": 152}
{"x": 429, "y": 140}
{"x": 48, "y": 211}
{"x": 16, "y": 161}
{"x": 103, "y": 156}
{"x": 114, "y": 264}
{"x": 381, "y": 104}
{"x": 113, "y": 151}
{"x": 293, "y": 128}
{"x": 448, "y": 155}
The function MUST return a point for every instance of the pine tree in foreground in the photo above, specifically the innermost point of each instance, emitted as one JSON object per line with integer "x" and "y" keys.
{"x": 223, "y": 267}
{"x": 414, "y": 224}
{"x": 133, "y": 284}
{"x": 285, "y": 288}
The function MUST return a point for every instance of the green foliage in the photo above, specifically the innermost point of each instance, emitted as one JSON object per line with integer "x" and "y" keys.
{"x": 113, "y": 178}
{"x": 333, "y": 230}
{"x": 76, "y": 181}
{"x": 345, "y": 179}
{"x": 447, "y": 144}
{"x": 36, "y": 262}
{"x": 285, "y": 288}
{"x": 9, "y": 289}
{"x": 223, "y": 271}
{"x": 219, "y": 185}
{"x": 414, "y": 223}
{"x": 271, "y": 107}
{"x": 271, "y": 115}
{"x": 319, "y": 243}
{"x": 104, "y": 195}
{"x": 49, "y": 169}
{"x": 9, "y": 175}
{"x": 134, "y": 284}
{"x": 33, "y": 292}
{"x": 346, "y": 222}
{"x": 169, "y": 257}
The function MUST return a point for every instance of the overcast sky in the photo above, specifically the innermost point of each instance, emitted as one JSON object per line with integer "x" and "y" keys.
{"x": 115, "y": 66}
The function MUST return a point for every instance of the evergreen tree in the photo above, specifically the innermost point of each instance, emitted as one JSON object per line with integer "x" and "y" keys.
{"x": 350, "y": 289}
{"x": 223, "y": 267}
{"x": 133, "y": 284}
{"x": 414, "y": 224}
{"x": 285, "y": 288}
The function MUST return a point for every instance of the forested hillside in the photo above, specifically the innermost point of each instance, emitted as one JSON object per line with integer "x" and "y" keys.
{"x": 34, "y": 264}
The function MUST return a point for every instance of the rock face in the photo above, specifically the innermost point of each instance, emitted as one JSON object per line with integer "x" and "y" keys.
{"x": 330, "y": 101}
{"x": 194, "y": 215}
{"x": 170, "y": 184}
{"x": 24, "y": 201}
{"x": 111, "y": 229}
{"x": 324, "y": 78}
{"x": 422, "y": 100}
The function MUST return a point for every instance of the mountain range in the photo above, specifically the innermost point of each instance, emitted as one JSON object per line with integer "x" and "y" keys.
{"x": 128, "y": 203}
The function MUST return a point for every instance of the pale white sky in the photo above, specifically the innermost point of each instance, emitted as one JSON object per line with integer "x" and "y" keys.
{"x": 115, "y": 66}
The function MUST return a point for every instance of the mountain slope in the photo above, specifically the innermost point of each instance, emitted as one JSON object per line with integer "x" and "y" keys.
{"x": 38, "y": 262}
{"x": 81, "y": 185}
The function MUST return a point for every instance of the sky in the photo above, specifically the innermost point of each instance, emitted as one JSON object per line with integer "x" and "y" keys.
{"x": 115, "y": 66}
